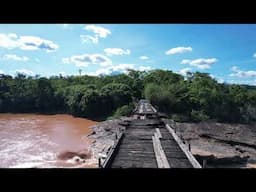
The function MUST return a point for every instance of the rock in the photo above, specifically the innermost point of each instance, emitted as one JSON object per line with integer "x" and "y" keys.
{"x": 107, "y": 128}
{"x": 92, "y": 133}
{"x": 221, "y": 144}
{"x": 231, "y": 160}
{"x": 105, "y": 134}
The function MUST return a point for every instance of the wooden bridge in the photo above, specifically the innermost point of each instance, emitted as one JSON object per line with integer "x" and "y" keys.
{"x": 148, "y": 142}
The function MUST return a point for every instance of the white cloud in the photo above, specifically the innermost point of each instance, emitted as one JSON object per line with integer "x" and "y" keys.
{"x": 242, "y": 81}
{"x": 144, "y": 68}
{"x": 117, "y": 69}
{"x": 239, "y": 73}
{"x": 14, "y": 57}
{"x": 185, "y": 61}
{"x": 212, "y": 76}
{"x": 88, "y": 38}
{"x": 184, "y": 71}
{"x": 99, "y": 32}
{"x": 8, "y": 41}
{"x": 24, "y": 71}
{"x": 116, "y": 51}
{"x": 220, "y": 80}
{"x": 254, "y": 55}
{"x": 144, "y": 57}
{"x": 87, "y": 59}
{"x": 11, "y": 41}
{"x": 234, "y": 69}
{"x": 35, "y": 43}
{"x": 1, "y": 72}
{"x": 178, "y": 50}
{"x": 121, "y": 68}
{"x": 66, "y": 60}
{"x": 200, "y": 63}
{"x": 98, "y": 72}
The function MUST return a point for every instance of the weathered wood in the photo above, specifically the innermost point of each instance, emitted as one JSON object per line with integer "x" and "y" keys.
{"x": 159, "y": 135}
{"x": 147, "y": 143}
{"x": 162, "y": 161}
{"x": 189, "y": 155}
{"x": 154, "y": 109}
{"x": 112, "y": 151}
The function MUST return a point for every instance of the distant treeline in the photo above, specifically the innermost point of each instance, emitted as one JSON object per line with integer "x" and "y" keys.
{"x": 194, "y": 98}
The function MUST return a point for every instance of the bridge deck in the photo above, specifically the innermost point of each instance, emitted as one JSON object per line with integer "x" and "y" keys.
{"x": 136, "y": 148}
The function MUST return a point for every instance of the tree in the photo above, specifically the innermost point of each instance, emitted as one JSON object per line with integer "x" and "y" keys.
{"x": 45, "y": 100}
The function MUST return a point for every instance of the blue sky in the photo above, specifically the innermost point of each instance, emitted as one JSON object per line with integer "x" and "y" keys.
{"x": 226, "y": 51}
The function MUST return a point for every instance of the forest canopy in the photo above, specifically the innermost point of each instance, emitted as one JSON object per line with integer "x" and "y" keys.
{"x": 196, "y": 97}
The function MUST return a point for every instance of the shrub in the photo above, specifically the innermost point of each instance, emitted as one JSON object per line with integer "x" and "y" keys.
{"x": 125, "y": 110}
{"x": 198, "y": 116}
{"x": 180, "y": 118}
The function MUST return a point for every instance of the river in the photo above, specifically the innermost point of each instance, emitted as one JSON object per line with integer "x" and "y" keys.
{"x": 44, "y": 141}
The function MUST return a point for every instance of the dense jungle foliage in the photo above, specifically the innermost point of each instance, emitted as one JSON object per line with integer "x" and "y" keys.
{"x": 196, "y": 97}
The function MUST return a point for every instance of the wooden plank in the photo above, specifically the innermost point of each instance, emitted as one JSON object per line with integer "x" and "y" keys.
{"x": 158, "y": 133}
{"x": 180, "y": 162}
{"x": 137, "y": 149}
{"x": 189, "y": 155}
{"x": 162, "y": 161}
{"x": 112, "y": 151}
{"x": 135, "y": 164}
{"x": 175, "y": 155}
{"x": 154, "y": 109}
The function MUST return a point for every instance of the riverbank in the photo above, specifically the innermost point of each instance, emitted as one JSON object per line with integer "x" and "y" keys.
{"x": 31, "y": 140}
{"x": 103, "y": 135}
{"x": 222, "y": 145}
{"x": 44, "y": 141}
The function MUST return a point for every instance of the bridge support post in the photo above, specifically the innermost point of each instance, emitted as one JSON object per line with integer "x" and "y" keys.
{"x": 99, "y": 162}
{"x": 204, "y": 163}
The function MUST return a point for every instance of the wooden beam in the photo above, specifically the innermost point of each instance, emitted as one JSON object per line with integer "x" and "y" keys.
{"x": 161, "y": 158}
{"x": 184, "y": 148}
{"x": 154, "y": 109}
{"x": 159, "y": 133}
{"x": 112, "y": 151}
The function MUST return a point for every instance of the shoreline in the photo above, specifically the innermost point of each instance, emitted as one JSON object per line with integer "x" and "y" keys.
{"x": 38, "y": 140}
{"x": 219, "y": 154}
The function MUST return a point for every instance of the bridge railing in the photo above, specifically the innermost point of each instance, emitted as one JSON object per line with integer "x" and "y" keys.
{"x": 111, "y": 153}
{"x": 186, "y": 147}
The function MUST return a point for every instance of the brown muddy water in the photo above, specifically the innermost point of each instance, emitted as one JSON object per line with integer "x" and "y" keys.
{"x": 44, "y": 141}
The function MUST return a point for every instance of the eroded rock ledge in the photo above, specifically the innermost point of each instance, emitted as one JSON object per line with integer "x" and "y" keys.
{"x": 103, "y": 135}
{"x": 222, "y": 145}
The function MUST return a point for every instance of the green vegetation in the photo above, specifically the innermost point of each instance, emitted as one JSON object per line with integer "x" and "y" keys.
{"x": 197, "y": 97}
{"x": 125, "y": 110}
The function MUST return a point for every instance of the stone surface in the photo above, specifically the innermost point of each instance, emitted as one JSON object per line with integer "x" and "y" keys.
{"x": 103, "y": 135}
{"x": 223, "y": 145}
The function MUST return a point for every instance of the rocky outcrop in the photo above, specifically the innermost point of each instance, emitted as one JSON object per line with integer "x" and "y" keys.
{"x": 104, "y": 134}
{"x": 214, "y": 162}
{"x": 222, "y": 145}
